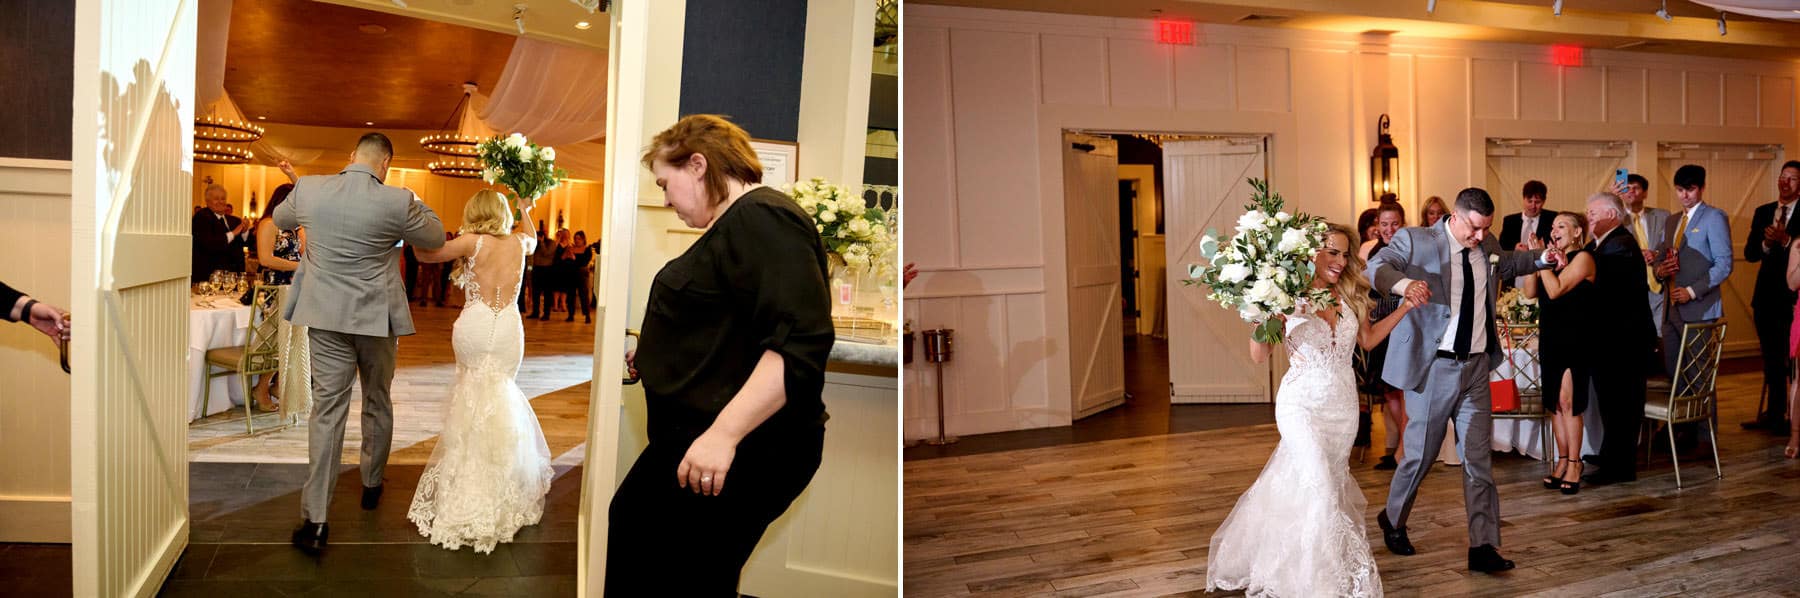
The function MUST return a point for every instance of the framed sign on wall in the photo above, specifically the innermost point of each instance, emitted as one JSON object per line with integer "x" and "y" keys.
{"x": 780, "y": 160}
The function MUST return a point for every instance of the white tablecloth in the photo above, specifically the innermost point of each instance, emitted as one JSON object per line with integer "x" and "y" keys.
{"x": 1523, "y": 435}
{"x": 210, "y": 327}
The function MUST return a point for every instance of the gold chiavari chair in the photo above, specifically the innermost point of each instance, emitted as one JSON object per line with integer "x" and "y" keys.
{"x": 1692, "y": 395}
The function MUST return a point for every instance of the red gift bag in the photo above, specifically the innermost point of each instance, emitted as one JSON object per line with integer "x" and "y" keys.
{"x": 1505, "y": 394}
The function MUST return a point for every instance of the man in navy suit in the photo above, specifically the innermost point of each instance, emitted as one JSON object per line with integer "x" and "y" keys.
{"x": 1517, "y": 230}
{"x": 218, "y": 236}
{"x": 1772, "y": 303}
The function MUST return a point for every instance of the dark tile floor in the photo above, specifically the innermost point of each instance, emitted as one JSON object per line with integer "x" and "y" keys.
{"x": 242, "y": 514}
{"x": 1146, "y": 412}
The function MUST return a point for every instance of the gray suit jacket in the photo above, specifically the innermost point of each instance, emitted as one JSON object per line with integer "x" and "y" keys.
{"x": 1656, "y": 223}
{"x": 349, "y": 276}
{"x": 1422, "y": 253}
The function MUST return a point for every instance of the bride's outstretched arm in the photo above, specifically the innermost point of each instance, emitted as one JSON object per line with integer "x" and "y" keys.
{"x": 1369, "y": 336}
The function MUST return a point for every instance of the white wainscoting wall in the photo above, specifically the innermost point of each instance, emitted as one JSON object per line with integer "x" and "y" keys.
{"x": 34, "y": 391}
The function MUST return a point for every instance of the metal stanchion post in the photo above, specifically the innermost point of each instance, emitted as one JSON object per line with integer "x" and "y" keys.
{"x": 937, "y": 351}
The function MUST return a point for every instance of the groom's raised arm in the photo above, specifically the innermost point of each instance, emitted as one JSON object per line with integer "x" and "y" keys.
{"x": 1387, "y": 268}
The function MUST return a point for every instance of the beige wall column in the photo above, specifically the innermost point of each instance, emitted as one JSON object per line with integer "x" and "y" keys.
{"x": 834, "y": 89}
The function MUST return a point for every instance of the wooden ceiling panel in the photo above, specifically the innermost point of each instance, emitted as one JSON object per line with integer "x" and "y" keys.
{"x": 318, "y": 64}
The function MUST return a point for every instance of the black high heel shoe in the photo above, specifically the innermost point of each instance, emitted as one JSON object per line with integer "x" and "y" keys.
{"x": 1554, "y": 481}
{"x": 1571, "y": 487}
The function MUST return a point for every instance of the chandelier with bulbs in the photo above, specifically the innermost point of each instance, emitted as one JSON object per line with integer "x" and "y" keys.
{"x": 458, "y": 150}
{"x": 213, "y": 136}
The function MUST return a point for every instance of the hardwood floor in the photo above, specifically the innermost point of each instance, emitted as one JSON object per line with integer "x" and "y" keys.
{"x": 556, "y": 372}
{"x": 1134, "y": 516}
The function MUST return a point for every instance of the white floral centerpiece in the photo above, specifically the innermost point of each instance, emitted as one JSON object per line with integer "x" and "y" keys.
{"x": 526, "y": 168}
{"x": 1265, "y": 269}
{"x": 1516, "y": 308}
{"x": 854, "y": 233}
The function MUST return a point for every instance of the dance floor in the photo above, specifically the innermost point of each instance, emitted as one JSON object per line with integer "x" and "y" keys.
{"x": 1133, "y": 517}
{"x": 556, "y": 371}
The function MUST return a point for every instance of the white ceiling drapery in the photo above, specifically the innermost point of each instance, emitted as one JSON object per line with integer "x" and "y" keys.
{"x": 553, "y": 94}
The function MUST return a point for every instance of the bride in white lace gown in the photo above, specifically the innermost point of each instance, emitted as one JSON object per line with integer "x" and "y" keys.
{"x": 490, "y": 471}
{"x": 1298, "y": 530}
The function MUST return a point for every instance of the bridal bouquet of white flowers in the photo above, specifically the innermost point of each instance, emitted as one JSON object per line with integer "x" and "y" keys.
{"x": 524, "y": 167}
{"x": 1265, "y": 269}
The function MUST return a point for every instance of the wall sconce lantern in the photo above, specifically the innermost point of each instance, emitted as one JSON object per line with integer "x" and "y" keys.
{"x": 1384, "y": 165}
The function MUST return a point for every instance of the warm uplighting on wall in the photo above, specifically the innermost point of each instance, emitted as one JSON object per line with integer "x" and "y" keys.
{"x": 1384, "y": 164}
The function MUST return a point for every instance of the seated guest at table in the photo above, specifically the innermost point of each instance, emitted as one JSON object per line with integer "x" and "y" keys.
{"x": 1565, "y": 331}
{"x": 16, "y": 306}
{"x": 732, "y": 358}
{"x": 218, "y": 236}
{"x": 1620, "y": 338}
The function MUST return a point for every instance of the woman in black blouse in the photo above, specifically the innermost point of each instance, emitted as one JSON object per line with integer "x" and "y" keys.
{"x": 732, "y": 358}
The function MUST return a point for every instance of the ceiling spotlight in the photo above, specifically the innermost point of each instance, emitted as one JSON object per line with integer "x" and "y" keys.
{"x": 400, "y": 3}
{"x": 1664, "y": 12}
{"x": 519, "y": 17}
{"x": 583, "y": 25}
{"x": 262, "y": 118}
{"x": 1721, "y": 23}
{"x": 370, "y": 123}
{"x": 1430, "y": 6}
{"x": 1556, "y": 9}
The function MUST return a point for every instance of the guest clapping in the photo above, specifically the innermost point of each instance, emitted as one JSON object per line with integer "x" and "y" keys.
{"x": 1566, "y": 326}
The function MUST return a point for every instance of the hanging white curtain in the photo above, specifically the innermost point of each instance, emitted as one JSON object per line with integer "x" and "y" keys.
{"x": 553, "y": 94}
{"x": 209, "y": 52}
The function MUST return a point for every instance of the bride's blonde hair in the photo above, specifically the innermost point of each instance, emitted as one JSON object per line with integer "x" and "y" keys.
{"x": 484, "y": 214}
{"x": 1351, "y": 287}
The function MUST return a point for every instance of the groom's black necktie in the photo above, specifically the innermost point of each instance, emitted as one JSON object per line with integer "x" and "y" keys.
{"x": 1465, "y": 320}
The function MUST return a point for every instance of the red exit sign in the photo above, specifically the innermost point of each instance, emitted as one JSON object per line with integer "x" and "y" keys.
{"x": 1567, "y": 55}
{"x": 1175, "y": 32}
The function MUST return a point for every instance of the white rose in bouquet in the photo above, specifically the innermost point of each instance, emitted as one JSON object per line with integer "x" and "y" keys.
{"x": 1283, "y": 217}
{"x": 548, "y": 153}
{"x": 525, "y": 154}
{"x": 859, "y": 227}
{"x": 827, "y": 215}
{"x": 1292, "y": 239}
{"x": 1263, "y": 291}
{"x": 1250, "y": 221}
{"x": 1234, "y": 273}
{"x": 515, "y": 140}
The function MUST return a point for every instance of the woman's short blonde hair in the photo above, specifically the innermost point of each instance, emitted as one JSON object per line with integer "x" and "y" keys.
{"x": 487, "y": 214}
{"x": 725, "y": 145}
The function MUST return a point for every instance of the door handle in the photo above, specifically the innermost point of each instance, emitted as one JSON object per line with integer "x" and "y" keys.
{"x": 630, "y": 377}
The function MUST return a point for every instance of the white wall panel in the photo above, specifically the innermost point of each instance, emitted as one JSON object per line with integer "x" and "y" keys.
{"x": 1203, "y": 77}
{"x": 1074, "y": 69}
{"x": 993, "y": 78}
{"x": 1624, "y": 95}
{"x": 1140, "y": 73}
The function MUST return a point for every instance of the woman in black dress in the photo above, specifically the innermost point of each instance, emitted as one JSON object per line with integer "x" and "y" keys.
{"x": 732, "y": 358}
{"x": 1564, "y": 344}
{"x": 1389, "y": 218}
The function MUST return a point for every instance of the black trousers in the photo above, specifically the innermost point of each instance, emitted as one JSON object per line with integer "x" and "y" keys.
{"x": 540, "y": 289}
{"x": 1621, "y": 403}
{"x": 657, "y": 527}
{"x": 1772, "y": 326}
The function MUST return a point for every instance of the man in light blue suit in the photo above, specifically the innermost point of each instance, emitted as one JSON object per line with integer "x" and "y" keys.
{"x": 1696, "y": 263}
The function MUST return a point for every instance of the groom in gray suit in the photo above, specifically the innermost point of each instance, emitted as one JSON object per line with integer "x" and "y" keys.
{"x": 348, "y": 293}
{"x": 1441, "y": 355}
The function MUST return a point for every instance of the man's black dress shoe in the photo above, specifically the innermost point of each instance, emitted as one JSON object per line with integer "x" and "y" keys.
{"x": 311, "y": 536}
{"x": 1387, "y": 463}
{"x": 371, "y": 497}
{"x": 1394, "y": 537}
{"x": 1486, "y": 559}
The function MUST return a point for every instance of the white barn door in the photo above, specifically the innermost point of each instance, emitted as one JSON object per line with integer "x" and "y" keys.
{"x": 1206, "y": 185}
{"x": 131, "y": 182}
{"x": 1096, "y": 302}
